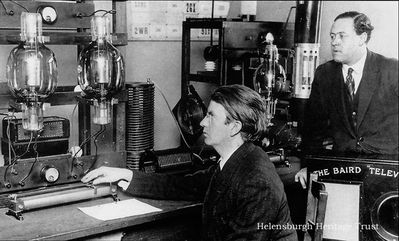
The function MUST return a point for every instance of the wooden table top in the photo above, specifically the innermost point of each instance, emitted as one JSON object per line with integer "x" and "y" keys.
{"x": 68, "y": 222}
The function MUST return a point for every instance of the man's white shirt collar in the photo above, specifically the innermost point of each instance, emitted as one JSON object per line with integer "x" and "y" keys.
{"x": 222, "y": 161}
{"x": 357, "y": 70}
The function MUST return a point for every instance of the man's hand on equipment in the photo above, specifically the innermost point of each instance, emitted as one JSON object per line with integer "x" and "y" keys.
{"x": 302, "y": 176}
{"x": 108, "y": 175}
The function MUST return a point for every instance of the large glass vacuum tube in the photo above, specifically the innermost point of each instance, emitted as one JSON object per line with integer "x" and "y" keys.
{"x": 31, "y": 71}
{"x": 101, "y": 70}
{"x": 269, "y": 78}
{"x": 305, "y": 62}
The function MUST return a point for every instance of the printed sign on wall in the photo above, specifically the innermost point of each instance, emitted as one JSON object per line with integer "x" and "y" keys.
{"x": 162, "y": 20}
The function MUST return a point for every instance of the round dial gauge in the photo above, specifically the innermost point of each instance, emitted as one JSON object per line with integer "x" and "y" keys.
{"x": 49, "y": 14}
{"x": 50, "y": 174}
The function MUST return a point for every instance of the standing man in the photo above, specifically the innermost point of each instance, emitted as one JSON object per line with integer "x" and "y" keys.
{"x": 354, "y": 98}
{"x": 242, "y": 193}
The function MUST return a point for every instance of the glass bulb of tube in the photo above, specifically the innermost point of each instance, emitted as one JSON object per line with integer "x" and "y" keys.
{"x": 269, "y": 76}
{"x": 101, "y": 70}
{"x": 31, "y": 71}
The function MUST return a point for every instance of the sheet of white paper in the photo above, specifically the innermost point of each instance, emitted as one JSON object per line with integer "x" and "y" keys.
{"x": 121, "y": 209}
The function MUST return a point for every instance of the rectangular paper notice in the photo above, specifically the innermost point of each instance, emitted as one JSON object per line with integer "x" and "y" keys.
{"x": 121, "y": 209}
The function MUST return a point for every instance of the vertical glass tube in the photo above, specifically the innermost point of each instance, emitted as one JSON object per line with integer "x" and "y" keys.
{"x": 102, "y": 112}
{"x": 32, "y": 116}
{"x": 270, "y": 76}
{"x": 305, "y": 70}
{"x": 306, "y": 62}
{"x": 31, "y": 71}
{"x": 101, "y": 70}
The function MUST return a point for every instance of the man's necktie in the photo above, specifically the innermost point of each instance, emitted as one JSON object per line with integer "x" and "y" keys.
{"x": 350, "y": 83}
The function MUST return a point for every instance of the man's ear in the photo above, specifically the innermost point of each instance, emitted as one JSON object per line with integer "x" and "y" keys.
{"x": 235, "y": 128}
{"x": 363, "y": 38}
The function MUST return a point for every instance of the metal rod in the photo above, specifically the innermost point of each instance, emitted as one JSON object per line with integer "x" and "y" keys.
{"x": 65, "y": 196}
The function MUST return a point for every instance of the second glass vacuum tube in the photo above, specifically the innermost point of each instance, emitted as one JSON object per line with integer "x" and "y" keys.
{"x": 101, "y": 70}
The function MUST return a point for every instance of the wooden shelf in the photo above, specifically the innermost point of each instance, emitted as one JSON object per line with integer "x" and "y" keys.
{"x": 63, "y": 95}
{"x": 64, "y": 38}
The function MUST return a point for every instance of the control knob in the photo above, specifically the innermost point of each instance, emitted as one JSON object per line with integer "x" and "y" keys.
{"x": 50, "y": 174}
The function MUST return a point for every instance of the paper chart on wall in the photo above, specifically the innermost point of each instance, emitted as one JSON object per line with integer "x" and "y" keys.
{"x": 162, "y": 20}
{"x": 120, "y": 209}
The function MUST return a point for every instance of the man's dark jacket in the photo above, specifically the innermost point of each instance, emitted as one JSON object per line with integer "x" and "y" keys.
{"x": 370, "y": 125}
{"x": 241, "y": 202}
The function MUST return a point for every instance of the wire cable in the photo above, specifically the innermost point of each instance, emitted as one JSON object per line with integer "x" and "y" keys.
{"x": 10, "y": 148}
{"x": 84, "y": 142}
{"x": 286, "y": 23}
{"x": 22, "y": 182}
{"x": 174, "y": 118}
{"x": 11, "y": 12}
{"x": 27, "y": 148}
{"x": 72, "y": 115}
{"x": 178, "y": 127}
{"x": 95, "y": 144}
{"x": 19, "y": 5}
{"x": 98, "y": 133}
{"x": 81, "y": 15}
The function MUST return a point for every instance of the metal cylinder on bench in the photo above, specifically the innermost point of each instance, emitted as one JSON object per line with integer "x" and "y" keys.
{"x": 139, "y": 121}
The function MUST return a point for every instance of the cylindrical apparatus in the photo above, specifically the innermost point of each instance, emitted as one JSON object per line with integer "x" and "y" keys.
{"x": 305, "y": 62}
{"x": 63, "y": 196}
{"x": 139, "y": 121}
{"x": 307, "y": 25}
{"x": 307, "y": 21}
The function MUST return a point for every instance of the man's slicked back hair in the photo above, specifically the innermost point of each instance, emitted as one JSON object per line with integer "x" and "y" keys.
{"x": 361, "y": 22}
{"x": 245, "y": 105}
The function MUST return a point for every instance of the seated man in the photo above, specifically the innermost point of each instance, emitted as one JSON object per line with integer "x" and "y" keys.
{"x": 242, "y": 193}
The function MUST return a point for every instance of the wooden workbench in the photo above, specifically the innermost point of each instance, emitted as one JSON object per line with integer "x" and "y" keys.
{"x": 179, "y": 220}
{"x": 68, "y": 222}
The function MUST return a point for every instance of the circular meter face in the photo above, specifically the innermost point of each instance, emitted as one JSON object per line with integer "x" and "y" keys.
{"x": 51, "y": 174}
{"x": 49, "y": 14}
